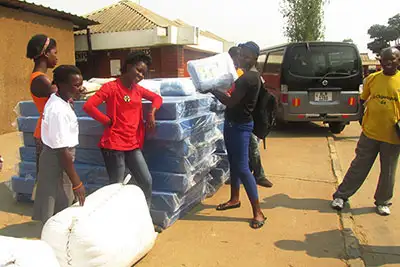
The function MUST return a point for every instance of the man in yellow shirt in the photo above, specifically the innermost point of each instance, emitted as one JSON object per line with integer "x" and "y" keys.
{"x": 381, "y": 94}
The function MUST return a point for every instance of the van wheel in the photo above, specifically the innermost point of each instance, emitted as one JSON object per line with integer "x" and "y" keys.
{"x": 336, "y": 127}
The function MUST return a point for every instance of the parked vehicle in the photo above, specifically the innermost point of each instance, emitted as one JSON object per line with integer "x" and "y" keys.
{"x": 314, "y": 81}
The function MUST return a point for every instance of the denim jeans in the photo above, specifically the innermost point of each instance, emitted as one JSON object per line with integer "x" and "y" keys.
{"x": 237, "y": 139}
{"x": 119, "y": 162}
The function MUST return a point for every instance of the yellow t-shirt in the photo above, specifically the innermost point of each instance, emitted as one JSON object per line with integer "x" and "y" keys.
{"x": 382, "y": 94}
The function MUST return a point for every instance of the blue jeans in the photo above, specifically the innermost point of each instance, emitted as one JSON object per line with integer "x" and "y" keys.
{"x": 117, "y": 163}
{"x": 237, "y": 138}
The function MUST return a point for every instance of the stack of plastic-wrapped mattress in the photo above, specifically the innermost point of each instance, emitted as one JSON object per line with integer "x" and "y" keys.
{"x": 181, "y": 154}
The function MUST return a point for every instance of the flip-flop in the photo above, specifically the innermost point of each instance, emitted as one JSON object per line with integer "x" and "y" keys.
{"x": 158, "y": 229}
{"x": 257, "y": 224}
{"x": 226, "y": 206}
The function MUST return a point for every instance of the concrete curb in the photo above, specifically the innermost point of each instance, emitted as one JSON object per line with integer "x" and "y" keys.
{"x": 351, "y": 242}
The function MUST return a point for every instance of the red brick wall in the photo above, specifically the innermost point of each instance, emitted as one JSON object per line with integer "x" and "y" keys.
{"x": 168, "y": 62}
{"x": 193, "y": 55}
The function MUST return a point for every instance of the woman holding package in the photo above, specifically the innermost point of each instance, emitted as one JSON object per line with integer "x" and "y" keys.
{"x": 238, "y": 129}
{"x": 123, "y": 136}
{"x": 43, "y": 51}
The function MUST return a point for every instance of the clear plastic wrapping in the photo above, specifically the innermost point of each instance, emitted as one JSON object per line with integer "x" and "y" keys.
{"x": 219, "y": 175}
{"x": 183, "y": 128}
{"x": 82, "y": 156}
{"x": 216, "y": 72}
{"x": 161, "y": 163}
{"x": 165, "y": 130}
{"x": 183, "y": 148}
{"x": 181, "y": 205}
{"x": 173, "y": 108}
{"x": 181, "y": 183}
{"x": 177, "y": 87}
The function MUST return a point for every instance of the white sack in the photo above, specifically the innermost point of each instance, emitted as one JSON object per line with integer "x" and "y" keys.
{"x": 211, "y": 73}
{"x": 151, "y": 85}
{"x": 177, "y": 87}
{"x": 26, "y": 253}
{"x": 112, "y": 229}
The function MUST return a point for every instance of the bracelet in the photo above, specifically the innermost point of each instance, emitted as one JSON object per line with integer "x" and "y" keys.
{"x": 78, "y": 186}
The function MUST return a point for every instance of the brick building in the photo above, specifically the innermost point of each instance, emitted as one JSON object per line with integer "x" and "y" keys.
{"x": 19, "y": 21}
{"x": 127, "y": 26}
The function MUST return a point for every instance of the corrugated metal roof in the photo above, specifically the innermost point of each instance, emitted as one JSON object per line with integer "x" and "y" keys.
{"x": 79, "y": 21}
{"x": 366, "y": 60}
{"x": 126, "y": 16}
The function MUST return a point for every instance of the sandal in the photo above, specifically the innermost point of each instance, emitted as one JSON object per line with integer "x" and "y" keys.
{"x": 257, "y": 224}
{"x": 158, "y": 229}
{"x": 226, "y": 206}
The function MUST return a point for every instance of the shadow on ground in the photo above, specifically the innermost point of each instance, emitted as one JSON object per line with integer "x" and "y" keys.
{"x": 31, "y": 230}
{"x": 285, "y": 201}
{"x": 317, "y": 245}
{"x": 327, "y": 244}
{"x": 10, "y": 205}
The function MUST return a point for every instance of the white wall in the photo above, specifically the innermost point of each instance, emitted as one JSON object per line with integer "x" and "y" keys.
{"x": 172, "y": 35}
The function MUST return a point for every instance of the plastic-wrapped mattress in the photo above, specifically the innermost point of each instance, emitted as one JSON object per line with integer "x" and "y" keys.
{"x": 173, "y": 108}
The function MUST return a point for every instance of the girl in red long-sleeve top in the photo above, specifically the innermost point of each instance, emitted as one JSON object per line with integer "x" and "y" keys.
{"x": 123, "y": 136}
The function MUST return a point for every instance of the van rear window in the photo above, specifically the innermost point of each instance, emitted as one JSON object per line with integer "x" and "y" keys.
{"x": 320, "y": 61}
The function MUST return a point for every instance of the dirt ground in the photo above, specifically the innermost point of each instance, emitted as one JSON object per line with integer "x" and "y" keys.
{"x": 301, "y": 229}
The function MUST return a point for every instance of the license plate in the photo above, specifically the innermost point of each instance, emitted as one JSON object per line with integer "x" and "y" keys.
{"x": 323, "y": 96}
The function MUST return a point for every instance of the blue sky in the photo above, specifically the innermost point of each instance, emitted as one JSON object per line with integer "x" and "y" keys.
{"x": 258, "y": 20}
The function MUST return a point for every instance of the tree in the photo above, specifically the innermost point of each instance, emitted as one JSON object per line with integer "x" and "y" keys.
{"x": 304, "y": 19}
{"x": 383, "y": 35}
{"x": 348, "y": 40}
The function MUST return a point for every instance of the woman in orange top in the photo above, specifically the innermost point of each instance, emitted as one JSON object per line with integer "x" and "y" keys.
{"x": 43, "y": 51}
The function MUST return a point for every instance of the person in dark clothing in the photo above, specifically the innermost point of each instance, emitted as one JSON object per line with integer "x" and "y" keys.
{"x": 254, "y": 152}
{"x": 238, "y": 128}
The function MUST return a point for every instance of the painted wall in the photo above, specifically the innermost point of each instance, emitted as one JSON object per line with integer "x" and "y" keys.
{"x": 17, "y": 27}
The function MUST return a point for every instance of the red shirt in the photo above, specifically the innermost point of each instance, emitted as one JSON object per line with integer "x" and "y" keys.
{"x": 124, "y": 108}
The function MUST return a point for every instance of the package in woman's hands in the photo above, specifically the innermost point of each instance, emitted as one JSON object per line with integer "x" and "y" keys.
{"x": 26, "y": 253}
{"x": 212, "y": 73}
{"x": 112, "y": 229}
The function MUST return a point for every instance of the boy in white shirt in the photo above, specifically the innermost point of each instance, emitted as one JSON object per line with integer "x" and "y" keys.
{"x": 55, "y": 190}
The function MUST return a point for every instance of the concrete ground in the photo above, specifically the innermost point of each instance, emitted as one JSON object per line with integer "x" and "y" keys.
{"x": 301, "y": 229}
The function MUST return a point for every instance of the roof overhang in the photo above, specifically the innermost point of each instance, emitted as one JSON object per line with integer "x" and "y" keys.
{"x": 78, "y": 21}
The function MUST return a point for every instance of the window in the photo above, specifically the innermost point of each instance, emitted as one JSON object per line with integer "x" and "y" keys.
{"x": 261, "y": 62}
{"x": 274, "y": 62}
{"x": 318, "y": 60}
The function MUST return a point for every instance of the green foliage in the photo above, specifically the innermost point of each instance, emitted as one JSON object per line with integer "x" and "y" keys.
{"x": 304, "y": 19}
{"x": 383, "y": 35}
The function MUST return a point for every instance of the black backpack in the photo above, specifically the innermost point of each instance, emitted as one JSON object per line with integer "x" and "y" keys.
{"x": 263, "y": 114}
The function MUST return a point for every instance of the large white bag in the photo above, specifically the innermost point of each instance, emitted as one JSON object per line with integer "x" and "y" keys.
{"x": 216, "y": 72}
{"x": 26, "y": 253}
{"x": 177, "y": 87}
{"x": 151, "y": 85}
{"x": 113, "y": 229}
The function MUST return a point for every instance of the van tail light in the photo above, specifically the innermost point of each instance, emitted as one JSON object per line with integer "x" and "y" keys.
{"x": 345, "y": 116}
{"x": 352, "y": 101}
{"x": 284, "y": 93}
{"x": 301, "y": 116}
{"x": 284, "y": 98}
{"x": 296, "y": 102}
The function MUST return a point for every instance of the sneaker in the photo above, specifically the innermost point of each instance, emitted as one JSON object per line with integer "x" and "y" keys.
{"x": 383, "y": 210}
{"x": 337, "y": 204}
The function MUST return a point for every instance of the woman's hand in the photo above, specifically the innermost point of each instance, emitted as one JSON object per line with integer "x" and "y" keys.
{"x": 151, "y": 121}
{"x": 80, "y": 193}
